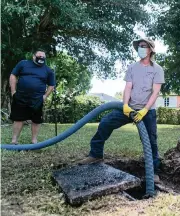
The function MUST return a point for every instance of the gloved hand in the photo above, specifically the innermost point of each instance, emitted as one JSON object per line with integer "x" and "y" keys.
{"x": 127, "y": 110}
{"x": 140, "y": 114}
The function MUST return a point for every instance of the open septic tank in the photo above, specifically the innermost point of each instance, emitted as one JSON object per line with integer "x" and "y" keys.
{"x": 85, "y": 182}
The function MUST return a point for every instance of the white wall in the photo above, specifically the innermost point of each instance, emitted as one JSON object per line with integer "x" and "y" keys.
{"x": 172, "y": 101}
{"x": 160, "y": 102}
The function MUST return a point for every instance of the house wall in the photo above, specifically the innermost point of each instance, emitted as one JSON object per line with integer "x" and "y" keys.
{"x": 178, "y": 101}
{"x": 173, "y": 101}
{"x": 160, "y": 102}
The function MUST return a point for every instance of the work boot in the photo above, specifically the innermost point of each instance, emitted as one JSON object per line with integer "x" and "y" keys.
{"x": 90, "y": 160}
{"x": 156, "y": 179}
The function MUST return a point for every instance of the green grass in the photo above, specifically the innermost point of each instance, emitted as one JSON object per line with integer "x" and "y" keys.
{"x": 123, "y": 141}
{"x": 26, "y": 176}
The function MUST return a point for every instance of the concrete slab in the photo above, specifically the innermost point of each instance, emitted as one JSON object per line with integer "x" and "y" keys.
{"x": 82, "y": 183}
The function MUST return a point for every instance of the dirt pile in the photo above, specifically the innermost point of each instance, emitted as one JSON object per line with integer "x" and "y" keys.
{"x": 171, "y": 164}
{"x": 169, "y": 170}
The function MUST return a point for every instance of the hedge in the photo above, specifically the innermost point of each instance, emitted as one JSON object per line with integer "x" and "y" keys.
{"x": 70, "y": 111}
{"x": 81, "y": 105}
{"x": 168, "y": 116}
{"x": 75, "y": 110}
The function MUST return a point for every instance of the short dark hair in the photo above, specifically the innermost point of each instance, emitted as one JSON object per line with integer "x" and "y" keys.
{"x": 39, "y": 50}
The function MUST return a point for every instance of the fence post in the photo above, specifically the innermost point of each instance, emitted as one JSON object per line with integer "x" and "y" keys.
{"x": 55, "y": 107}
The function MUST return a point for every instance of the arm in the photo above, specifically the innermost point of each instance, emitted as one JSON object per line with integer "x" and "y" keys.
{"x": 48, "y": 92}
{"x": 50, "y": 83}
{"x": 13, "y": 82}
{"x": 157, "y": 82}
{"x": 13, "y": 77}
{"x": 126, "y": 96}
{"x": 127, "y": 92}
{"x": 152, "y": 99}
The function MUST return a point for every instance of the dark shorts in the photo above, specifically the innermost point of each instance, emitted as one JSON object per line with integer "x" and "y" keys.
{"x": 22, "y": 113}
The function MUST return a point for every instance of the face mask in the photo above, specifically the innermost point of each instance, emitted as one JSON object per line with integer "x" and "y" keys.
{"x": 40, "y": 61}
{"x": 142, "y": 52}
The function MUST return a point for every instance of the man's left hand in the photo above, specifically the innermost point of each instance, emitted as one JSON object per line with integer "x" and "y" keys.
{"x": 140, "y": 114}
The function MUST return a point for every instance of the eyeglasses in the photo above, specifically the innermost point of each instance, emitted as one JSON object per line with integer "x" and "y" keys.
{"x": 144, "y": 46}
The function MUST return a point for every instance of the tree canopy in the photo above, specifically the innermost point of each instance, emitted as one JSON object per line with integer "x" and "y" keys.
{"x": 94, "y": 32}
{"x": 71, "y": 77}
{"x": 167, "y": 27}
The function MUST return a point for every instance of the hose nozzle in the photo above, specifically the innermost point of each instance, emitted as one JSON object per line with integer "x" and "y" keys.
{"x": 132, "y": 115}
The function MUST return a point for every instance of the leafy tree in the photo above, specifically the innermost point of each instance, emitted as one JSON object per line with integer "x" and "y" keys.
{"x": 72, "y": 79}
{"x": 94, "y": 32}
{"x": 70, "y": 75}
{"x": 167, "y": 27}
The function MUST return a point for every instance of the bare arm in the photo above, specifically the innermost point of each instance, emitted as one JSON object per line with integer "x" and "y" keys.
{"x": 127, "y": 92}
{"x": 152, "y": 99}
{"x": 13, "y": 82}
{"x": 48, "y": 92}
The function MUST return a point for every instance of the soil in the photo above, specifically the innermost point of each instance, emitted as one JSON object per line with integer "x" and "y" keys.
{"x": 169, "y": 169}
{"x": 170, "y": 183}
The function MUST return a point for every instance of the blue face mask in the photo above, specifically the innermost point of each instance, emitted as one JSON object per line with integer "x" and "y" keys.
{"x": 142, "y": 52}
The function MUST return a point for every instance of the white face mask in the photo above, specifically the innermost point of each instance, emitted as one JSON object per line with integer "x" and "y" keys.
{"x": 142, "y": 52}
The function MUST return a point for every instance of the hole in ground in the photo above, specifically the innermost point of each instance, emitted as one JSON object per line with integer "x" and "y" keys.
{"x": 137, "y": 192}
{"x": 168, "y": 182}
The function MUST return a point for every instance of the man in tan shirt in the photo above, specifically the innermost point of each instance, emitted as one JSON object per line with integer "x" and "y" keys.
{"x": 143, "y": 83}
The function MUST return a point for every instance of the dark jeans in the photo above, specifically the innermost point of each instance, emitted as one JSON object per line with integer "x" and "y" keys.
{"x": 116, "y": 119}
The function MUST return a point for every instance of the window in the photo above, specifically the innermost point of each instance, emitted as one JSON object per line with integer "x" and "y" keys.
{"x": 166, "y": 102}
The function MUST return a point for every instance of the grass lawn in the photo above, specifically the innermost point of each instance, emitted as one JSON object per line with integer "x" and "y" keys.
{"x": 26, "y": 176}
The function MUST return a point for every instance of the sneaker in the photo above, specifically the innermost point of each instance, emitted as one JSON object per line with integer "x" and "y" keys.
{"x": 90, "y": 160}
{"x": 156, "y": 179}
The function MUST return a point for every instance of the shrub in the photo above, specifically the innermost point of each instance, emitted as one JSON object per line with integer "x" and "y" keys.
{"x": 70, "y": 110}
{"x": 83, "y": 105}
{"x": 74, "y": 110}
{"x": 168, "y": 116}
{"x": 5, "y": 117}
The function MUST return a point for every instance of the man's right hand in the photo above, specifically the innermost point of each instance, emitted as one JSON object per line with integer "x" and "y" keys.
{"x": 127, "y": 110}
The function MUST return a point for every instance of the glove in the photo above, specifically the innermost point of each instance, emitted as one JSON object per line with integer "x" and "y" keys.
{"x": 140, "y": 114}
{"x": 127, "y": 110}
